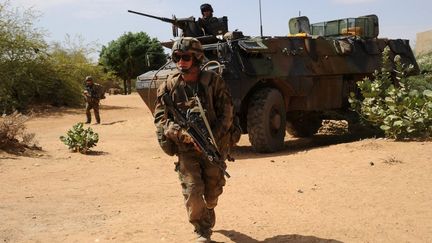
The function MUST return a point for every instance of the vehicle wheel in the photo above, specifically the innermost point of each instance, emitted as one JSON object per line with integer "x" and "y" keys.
{"x": 266, "y": 120}
{"x": 303, "y": 125}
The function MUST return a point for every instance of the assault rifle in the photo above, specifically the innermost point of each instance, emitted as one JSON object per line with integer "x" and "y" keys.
{"x": 195, "y": 125}
{"x": 189, "y": 26}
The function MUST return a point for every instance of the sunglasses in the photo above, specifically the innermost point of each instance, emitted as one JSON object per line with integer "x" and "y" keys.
{"x": 185, "y": 57}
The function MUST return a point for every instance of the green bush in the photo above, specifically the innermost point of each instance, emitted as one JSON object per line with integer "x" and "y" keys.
{"x": 425, "y": 62}
{"x": 79, "y": 139}
{"x": 35, "y": 72}
{"x": 402, "y": 109}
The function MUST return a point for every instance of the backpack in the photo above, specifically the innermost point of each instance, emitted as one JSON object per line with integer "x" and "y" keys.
{"x": 100, "y": 90}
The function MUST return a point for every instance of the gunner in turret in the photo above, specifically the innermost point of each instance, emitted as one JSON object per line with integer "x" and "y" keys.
{"x": 207, "y": 20}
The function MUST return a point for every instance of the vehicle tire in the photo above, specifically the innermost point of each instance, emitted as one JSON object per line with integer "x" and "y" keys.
{"x": 303, "y": 124}
{"x": 266, "y": 120}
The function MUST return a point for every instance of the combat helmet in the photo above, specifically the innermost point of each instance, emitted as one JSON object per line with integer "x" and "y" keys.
{"x": 188, "y": 44}
{"x": 89, "y": 78}
{"x": 205, "y": 7}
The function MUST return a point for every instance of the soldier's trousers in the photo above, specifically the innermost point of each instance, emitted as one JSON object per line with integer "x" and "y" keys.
{"x": 202, "y": 183}
{"x": 95, "y": 106}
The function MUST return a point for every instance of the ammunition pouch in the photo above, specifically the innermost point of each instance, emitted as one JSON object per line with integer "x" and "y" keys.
{"x": 168, "y": 146}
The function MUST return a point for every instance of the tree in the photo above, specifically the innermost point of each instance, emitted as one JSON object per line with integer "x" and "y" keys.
{"x": 131, "y": 55}
{"x": 32, "y": 71}
{"x": 21, "y": 50}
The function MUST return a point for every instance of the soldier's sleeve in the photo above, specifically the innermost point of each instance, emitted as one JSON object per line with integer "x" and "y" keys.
{"x": 160, "y": 119}
{"x": 223, "y": 107}
{"x": 161, "y": 122}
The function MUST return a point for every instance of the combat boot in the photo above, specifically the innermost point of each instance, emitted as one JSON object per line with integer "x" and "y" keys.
{"x": 203, "y": 234}
{"x": 203, "y": 238}
{"x": 212, "y": 217}
{"x": 88, "y": 116}
{"x": 97, "y": 117}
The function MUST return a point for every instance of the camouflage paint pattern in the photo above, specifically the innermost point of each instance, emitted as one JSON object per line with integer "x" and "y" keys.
{"x": 312, "y": 73}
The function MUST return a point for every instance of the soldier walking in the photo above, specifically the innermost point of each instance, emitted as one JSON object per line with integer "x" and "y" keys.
{"x": 201, "y": 180}
{"x": 93, "y": 93}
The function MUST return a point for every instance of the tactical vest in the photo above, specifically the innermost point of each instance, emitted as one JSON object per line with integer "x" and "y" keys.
{"x": 180, "y": 94}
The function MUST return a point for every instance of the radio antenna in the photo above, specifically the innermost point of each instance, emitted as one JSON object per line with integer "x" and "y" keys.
{"x": 261, "y": 27}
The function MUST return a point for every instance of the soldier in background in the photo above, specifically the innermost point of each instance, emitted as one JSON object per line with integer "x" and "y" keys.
{"x": 201, "y": 180}
{"x": 207, "y": 19}
{"x": 93, "y": 93}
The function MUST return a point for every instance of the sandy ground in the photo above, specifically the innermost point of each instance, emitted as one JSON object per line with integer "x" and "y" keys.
{"x": 320, "y": 189}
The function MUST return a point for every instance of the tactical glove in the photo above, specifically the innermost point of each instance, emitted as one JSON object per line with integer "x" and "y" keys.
{"x": 174, "y": 132}
{"x": 177, "y": 134}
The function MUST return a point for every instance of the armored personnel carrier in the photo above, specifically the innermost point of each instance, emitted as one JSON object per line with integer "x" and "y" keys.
{"x": 291, "y": 83}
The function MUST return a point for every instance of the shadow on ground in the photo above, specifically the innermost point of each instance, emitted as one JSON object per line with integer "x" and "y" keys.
{"x": 22, "y": 150}
{"x": 112, "y": 123}
{"x": 7, "y": 157}
{"x": 295, "y": 145}
{"x": 96, "y": 153}
{"x": 51, "y": 111}
{"x": 112, "y": 107}
{"x": 293, "y": 238}
{"x": 55, "y": 112}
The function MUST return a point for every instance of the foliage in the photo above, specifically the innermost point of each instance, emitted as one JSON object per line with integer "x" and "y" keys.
{"x": 69, "y": 66}
{"x": 402, "y": 109}
{"x": 32, "y": 71}
{"x": 13, "y": 132}
{"x": 425, "y": 62}
{"x": 79, "y": 139}
{"x": 35, "y": 72}
{"x": 20, "y": 47}
{"x": 131, "y": 55}
{"x": 109, "y": 80}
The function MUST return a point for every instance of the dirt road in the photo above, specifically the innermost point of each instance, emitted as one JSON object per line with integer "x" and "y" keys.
{"x": 321, "y": 189}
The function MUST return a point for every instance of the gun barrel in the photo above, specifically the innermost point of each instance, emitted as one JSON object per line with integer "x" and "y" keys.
{"x": 154, "y": 17}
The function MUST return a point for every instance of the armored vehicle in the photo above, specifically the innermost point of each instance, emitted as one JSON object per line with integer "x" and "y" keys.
{"x": 291, "y": 83}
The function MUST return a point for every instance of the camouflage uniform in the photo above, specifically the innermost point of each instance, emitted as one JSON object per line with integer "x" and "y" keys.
{"x": 93, "y": 93}
{"x": 201, "y": 181}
